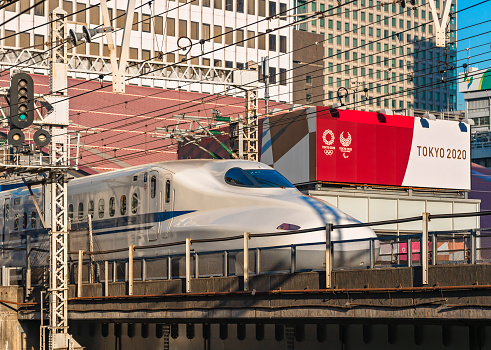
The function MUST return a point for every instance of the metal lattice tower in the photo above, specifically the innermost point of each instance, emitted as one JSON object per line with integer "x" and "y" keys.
{"x": 57, "y": 185}
{"x": 251, "y": 127}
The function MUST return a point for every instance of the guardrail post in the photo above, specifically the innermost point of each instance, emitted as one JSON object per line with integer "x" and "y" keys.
{"x": 225, "y": 263}
{"x": 424, "y": 249}
{"x": 372, "y": 253}
{"x": 79, "y": 277}
{"x": 169, "y": 267}
{"x": 434, "y": 246}
{"x": 246, "y": 260}
{"x": 328, "y": 256}
{"x": 258, "y": 261}
{"x": 409, "y": 243}
{"x": 473, "y": 247}
{"x": 28, "y": 265}
{"x": 196, "y": 265}
{"x": 5, "y": 279}
{"x": 293, "y": 258}
{"x": 188, "y": 265}
{"x": 131, "y": 249}
{"x": 144, "y": 269}
{"x": 106, "y": 278}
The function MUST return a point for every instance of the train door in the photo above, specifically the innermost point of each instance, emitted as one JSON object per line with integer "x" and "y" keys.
{"x": 154, "y": 205}
{"x": 168, "y": 203}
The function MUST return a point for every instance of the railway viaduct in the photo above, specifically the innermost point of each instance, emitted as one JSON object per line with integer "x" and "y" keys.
{"x": 369, "y": 308}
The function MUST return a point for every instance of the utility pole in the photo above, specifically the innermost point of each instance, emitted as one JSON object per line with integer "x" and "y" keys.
{"x": 244, "y": 132}
{"x": 265, "y": 71}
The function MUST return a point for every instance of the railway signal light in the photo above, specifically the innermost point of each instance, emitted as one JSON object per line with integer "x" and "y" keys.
{"x": 21, "y": 107}
{"x": 21, "y": 101}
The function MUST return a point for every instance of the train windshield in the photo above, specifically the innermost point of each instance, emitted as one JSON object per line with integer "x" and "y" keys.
{"x": 256, "y": 178}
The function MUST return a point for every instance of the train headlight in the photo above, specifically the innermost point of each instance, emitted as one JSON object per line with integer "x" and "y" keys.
{"x": 288, "y": 227}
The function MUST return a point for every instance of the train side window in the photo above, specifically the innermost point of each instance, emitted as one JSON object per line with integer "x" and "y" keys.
{"x": 91, "y": 209}
{"x": 70, "y": 211}
{"x": 101, "y": 208}
{"x": 112, "y": 206}
{"x": 7, "y": 211}
{"x": 134, "y": 203}
{"x": 167, "y": 191}
{"x": 24, "y": 221}
{"x": 122, "y": 207}
{"x": 153, "y": 186}
{"x": 33, "y": 219}
{"x": 16, "y": 222}
{"x": 80, "y": 210}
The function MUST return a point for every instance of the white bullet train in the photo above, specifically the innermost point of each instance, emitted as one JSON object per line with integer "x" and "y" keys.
{"x": 169, "y": 201}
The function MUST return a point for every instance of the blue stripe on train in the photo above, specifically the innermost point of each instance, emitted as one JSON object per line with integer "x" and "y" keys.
{"x": 98, "y": 225}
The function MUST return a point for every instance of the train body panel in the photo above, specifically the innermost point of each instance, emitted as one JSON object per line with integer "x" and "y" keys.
{"x": 169, "y": 201}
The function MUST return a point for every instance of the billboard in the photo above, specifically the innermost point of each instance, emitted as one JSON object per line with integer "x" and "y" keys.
{"x": 475, "y": 81}
{"x": 319, "y": 144}
{"x": 372, "y": 148}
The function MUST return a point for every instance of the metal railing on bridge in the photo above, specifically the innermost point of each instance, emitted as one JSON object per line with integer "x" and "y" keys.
{"x": 423, "y": 249}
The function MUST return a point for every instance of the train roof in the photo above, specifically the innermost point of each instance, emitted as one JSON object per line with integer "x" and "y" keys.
{"x": 176, "y": 166}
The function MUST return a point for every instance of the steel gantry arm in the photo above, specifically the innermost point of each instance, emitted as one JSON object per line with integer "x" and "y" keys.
{"x": 118, "y": 70}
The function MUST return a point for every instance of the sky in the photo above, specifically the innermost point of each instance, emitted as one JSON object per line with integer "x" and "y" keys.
{"x": 466, "y": 18}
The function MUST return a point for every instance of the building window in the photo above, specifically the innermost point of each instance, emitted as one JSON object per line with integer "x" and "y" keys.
{"x": 146, "y": 22}
{"x": 251, "y": 7}
{"x": 272, "y": 75}
{"x": 282, "y": 43}
{"x": 229, "y": 5}
{"x": 194, "y": 30}
{"x": 282, "y": 76}
{"x": 217, "y": 34}
{"x": 240, "y": 6}
{"x": 272, "y": 42}
{"x": 70, "y": 211}
{"x": 217, "y": 4}
{"x": 308, "y": 80}
{"x": 251, "y": 39}
{"x": 171, "y": 26}
{"x": 272, "y": 8}
{"x": 309, "y": 98}
{"x": 24, "y": 220}
{"x": 261, "y": 41}
{"x": 183, "y": 28}
{"x": 239, "y": 37}
{"x": 229, "y": 36}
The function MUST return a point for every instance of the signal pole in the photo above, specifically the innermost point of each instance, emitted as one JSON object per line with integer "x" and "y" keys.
{"x": 56, "y": 189}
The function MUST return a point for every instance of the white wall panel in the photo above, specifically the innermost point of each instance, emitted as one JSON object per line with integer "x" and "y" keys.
{"x": 356, "y": 207}
{"x": 465, "y": 223}
{"x": 407, "y": 209}
{"x": 440, "y": 208}
{"x": 383, "y": 209}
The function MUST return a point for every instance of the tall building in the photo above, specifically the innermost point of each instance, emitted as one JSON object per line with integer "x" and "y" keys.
{"x": 386, "y": 49}
{"x": 212, "y": 26}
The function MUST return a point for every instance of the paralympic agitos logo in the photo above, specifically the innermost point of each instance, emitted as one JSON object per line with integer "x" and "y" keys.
{"x": 344, "y": 138}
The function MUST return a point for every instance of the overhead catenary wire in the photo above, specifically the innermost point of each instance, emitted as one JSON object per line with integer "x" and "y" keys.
{"x": 138, "y": 153}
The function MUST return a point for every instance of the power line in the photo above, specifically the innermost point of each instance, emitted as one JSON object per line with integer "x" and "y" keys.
{"x": 137, "y": 153}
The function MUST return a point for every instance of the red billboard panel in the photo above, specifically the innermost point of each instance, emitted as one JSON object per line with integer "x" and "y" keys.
{"x": 394, "y": 150}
